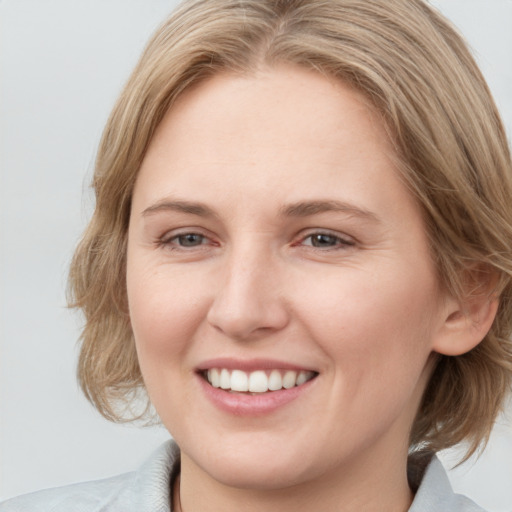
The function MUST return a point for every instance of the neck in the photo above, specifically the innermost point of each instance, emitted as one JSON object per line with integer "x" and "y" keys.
{"x": 380, "y": 486}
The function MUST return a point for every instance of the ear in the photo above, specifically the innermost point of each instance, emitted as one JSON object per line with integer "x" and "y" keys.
{"x": 466, "y": 321}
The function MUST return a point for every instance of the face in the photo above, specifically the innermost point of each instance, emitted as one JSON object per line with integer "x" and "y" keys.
{"x": 281, "y": 293}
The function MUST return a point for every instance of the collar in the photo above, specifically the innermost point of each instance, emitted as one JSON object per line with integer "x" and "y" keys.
{"x": 435, "y": 494}
{"x": 153, "y": 484}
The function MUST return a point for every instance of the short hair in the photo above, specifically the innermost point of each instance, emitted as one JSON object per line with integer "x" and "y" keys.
{"x": 453, "y": 155}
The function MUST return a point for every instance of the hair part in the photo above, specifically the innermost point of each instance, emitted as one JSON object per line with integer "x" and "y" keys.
{"x": 416, "y": 70}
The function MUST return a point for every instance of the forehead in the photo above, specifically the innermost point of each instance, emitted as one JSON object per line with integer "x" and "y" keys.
{"x": 291, "y": 101}
{"x": 285, "y": 131}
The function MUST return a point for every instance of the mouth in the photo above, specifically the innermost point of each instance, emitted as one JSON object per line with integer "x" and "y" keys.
{"x": 256, "y": 382}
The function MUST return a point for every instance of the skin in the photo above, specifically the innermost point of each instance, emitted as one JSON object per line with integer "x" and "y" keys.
{"x": 364, "y": 309}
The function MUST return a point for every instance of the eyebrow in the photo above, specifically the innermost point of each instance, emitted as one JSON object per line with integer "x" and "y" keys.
{"x": 180, "y": 206}
{"x": 308, "y": 208}
{"x": 299, "y": 209}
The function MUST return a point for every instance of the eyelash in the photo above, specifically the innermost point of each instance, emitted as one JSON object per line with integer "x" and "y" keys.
{"x": 338, "y": 242}
{"x": 171, "y": 241}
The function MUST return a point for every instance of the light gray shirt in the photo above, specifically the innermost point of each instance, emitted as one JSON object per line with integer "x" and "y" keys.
{"x": 148, "y": 490}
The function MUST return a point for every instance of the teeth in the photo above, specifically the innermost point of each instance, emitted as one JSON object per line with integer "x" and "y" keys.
{"x": 225, "y": 379}
{"x": 239, "y": 381}
{"x": 258, "y": 381}
{"x": 289, "y": 379}
{"x": 214, "y": 377}
{"x": 302, "y": 378}
{"x": 275, "y": 381}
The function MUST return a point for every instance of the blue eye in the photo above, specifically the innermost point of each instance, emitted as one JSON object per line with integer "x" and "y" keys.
{"x": 188, "y": 240}
{"x": 186, "y": 243}
{"x": 326, "y": 241}
{"x": 323, "y": 240}
{"x": 183, "y": 241}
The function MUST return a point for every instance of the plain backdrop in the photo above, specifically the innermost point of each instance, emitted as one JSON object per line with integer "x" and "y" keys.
{"x": 62, "y": 64}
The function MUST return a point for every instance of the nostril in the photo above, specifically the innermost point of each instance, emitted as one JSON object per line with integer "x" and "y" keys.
{"x": 244, "y": 319}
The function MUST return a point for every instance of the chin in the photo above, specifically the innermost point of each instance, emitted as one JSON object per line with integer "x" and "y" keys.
{"x": 254, "y": 465}
{"x": 256, "y": 475}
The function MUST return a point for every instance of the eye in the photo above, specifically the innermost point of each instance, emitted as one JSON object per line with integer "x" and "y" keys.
{"x": 189, "y": 240}
{"x": 322, "y": 240}
{"x": 184, "y": 240}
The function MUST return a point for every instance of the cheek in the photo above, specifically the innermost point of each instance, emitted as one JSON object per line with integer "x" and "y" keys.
{"x": 377, "y": 339}
{"x": 370, "y": 324}
{"x": 166, "y": 309}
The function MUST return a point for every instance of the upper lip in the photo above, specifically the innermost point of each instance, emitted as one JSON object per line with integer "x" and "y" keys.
{"x": 250, "y": 365}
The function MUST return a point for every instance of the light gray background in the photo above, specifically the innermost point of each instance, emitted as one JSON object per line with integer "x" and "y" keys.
{"x": 63, "y": 62}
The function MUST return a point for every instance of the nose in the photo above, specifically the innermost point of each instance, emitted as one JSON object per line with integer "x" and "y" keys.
{"x": 249, "y": 299}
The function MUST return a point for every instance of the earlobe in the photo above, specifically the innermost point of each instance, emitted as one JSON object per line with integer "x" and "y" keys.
{"x": 468, "y": 320}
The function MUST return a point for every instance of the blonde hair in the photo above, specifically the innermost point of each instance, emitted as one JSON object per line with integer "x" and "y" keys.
{"x": 453, "y": 154}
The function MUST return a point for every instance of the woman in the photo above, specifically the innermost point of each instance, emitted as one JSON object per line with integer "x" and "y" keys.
{"x": 301, "y": 249}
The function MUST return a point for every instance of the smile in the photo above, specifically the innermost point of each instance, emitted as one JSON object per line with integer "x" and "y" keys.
{"x": 259, "y": 381}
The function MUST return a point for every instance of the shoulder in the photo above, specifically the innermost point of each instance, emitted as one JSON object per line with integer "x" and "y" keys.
{"x": 435, "y": 493}
{"x": 87, "y": 496}
{"x": 144, "y": 490}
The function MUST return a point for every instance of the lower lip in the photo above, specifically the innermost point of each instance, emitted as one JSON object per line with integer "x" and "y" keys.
{"x": 241, "y": 404}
